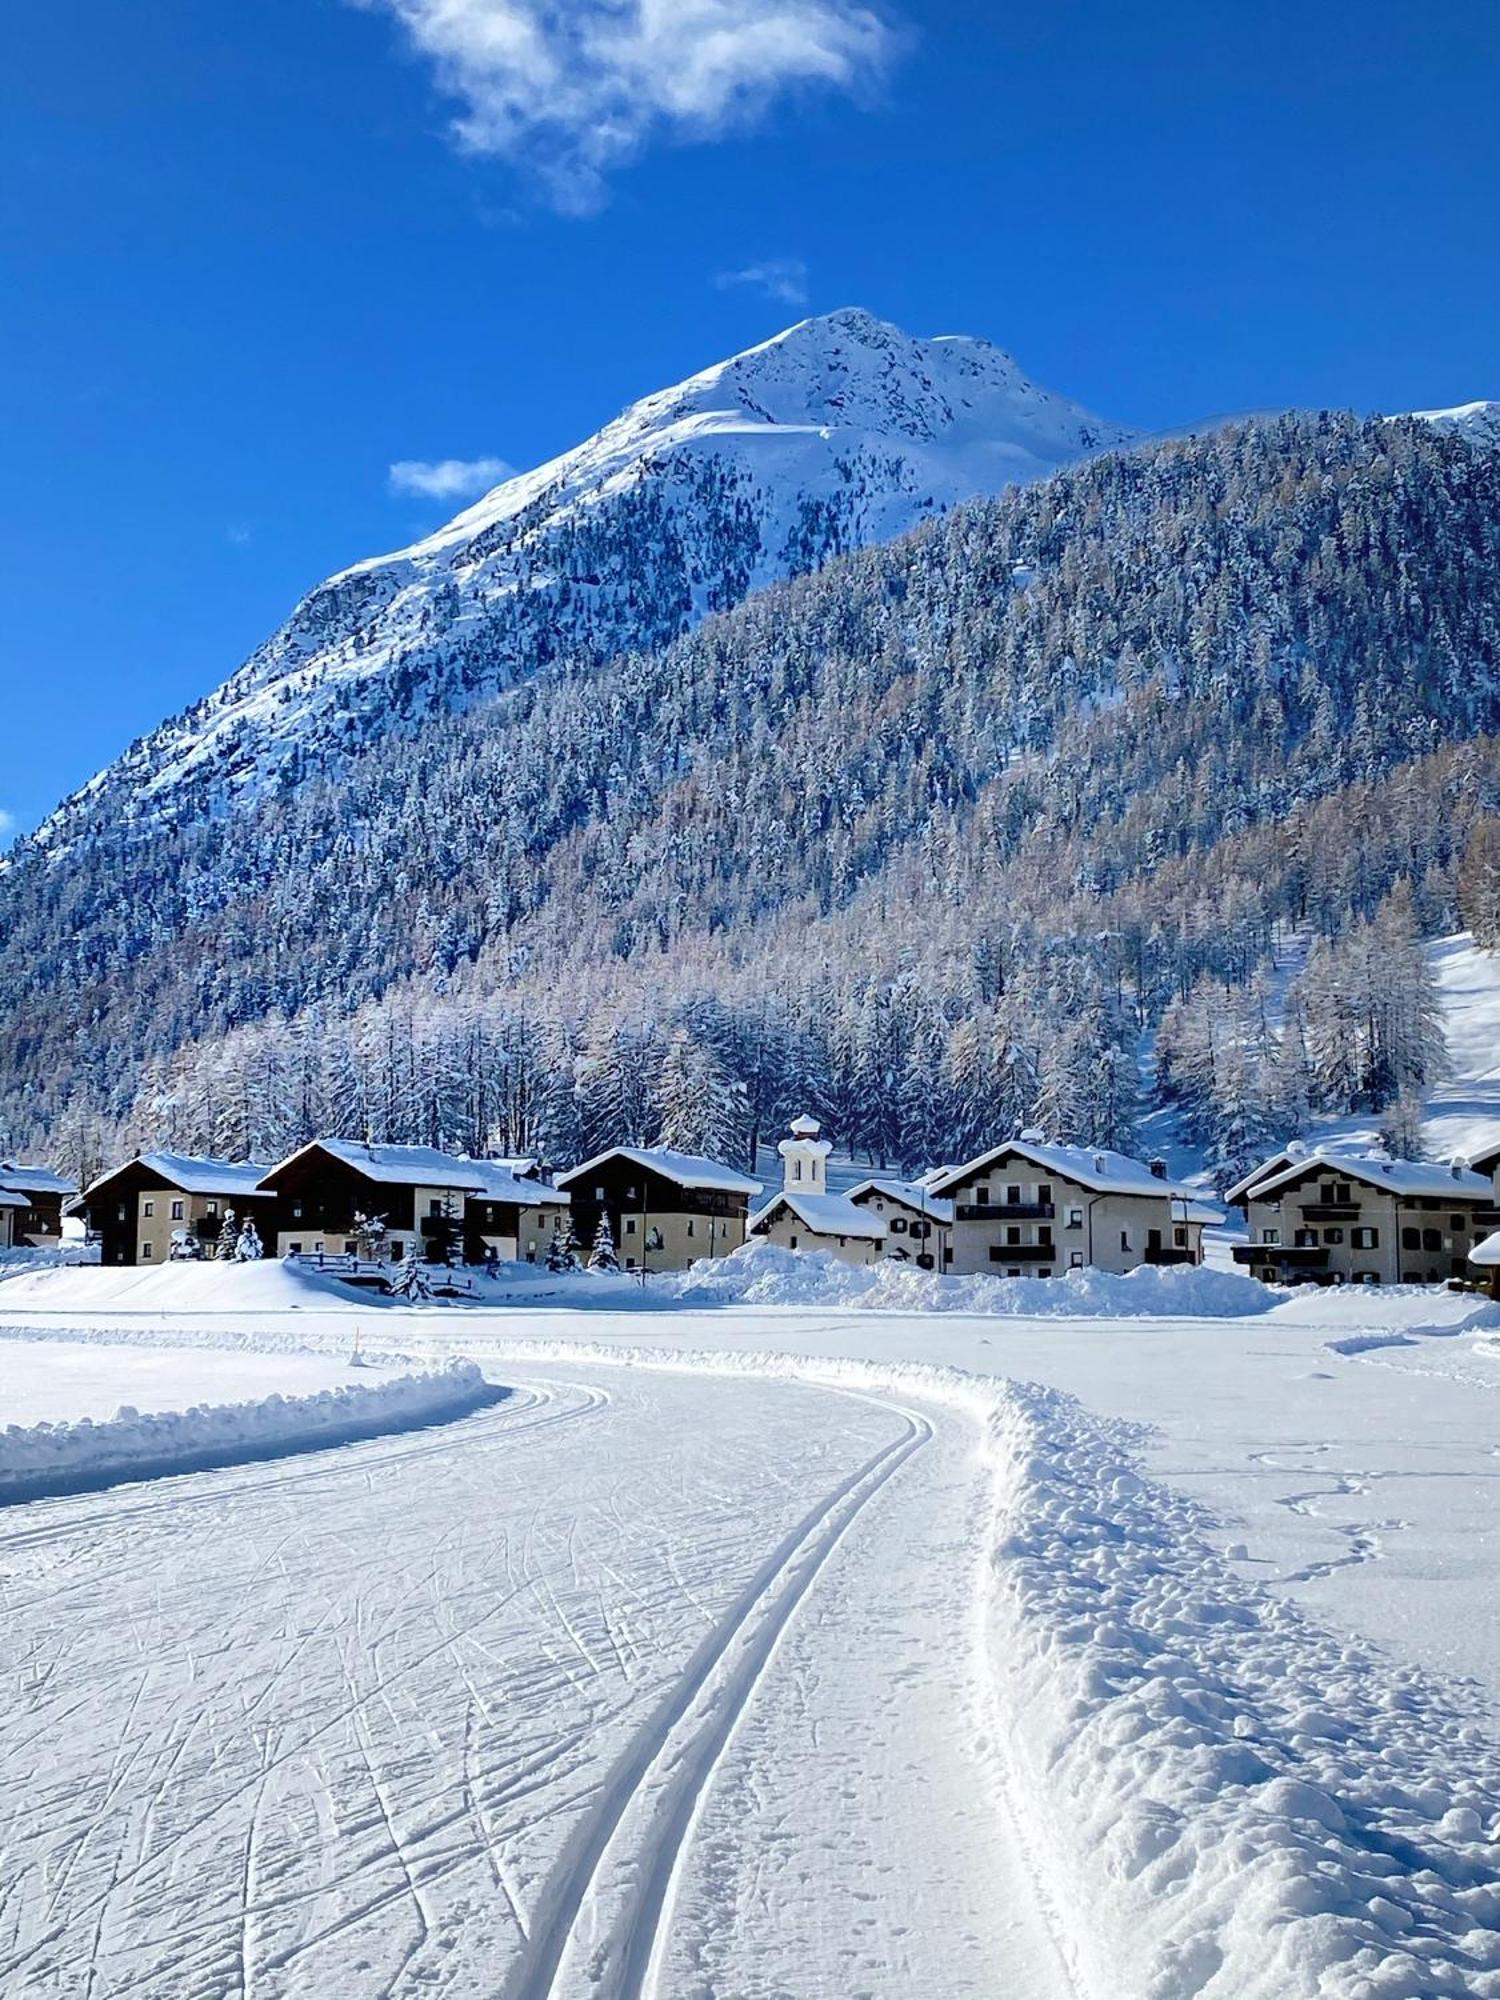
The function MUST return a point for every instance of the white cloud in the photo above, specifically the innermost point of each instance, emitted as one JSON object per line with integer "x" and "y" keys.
{"x": 573, "y": 88}
{"x": 448, "y": 478}
{"x": 783, "y": 278}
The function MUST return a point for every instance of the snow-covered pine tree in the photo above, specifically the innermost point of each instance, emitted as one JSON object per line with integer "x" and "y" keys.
{"x": 557, "y": 1254}
{"x": 702, "y": 1108}
{"x": 249, "y": 1248}
{"x": 572, "y": 1249}
{"x": 229, "y": 1237}
{"x": 603, "y": 1256}
{"x": 410, "y": 1281}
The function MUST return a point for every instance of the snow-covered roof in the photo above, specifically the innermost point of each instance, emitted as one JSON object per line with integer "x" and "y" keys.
{"x": 1089, "y": 1166}
{"x": 1403, "y": 1177}
{"x": 398, "y": 1166}
{"x": 240, "y": 1178}
{"x": 824, "y": 1215}
{"x": 500, "y": 1182}
{"x": 689, "y": 1170}
{"x": 1200, "y": 1211}
{"x": 1263, "y": 1172}
{"x": 9, "y": 1200}
{"x": 915, "y": 1194}
{"x": 35, "y": 1180}
{"x": 1487, "y": 1253}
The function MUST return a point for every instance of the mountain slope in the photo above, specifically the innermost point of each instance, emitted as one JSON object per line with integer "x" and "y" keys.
{"x": 1005, "y": 786}
{"x": 840, "y": 432}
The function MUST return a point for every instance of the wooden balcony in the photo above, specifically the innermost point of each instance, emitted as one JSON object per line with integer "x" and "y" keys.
{"x": 1005, "y": 1211}
{"x": 1330, "y": 1211}
{"x": 1286, "y": 1256}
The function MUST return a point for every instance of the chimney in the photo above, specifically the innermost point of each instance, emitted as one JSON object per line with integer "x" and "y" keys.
{"x": 1098, "y": 1163}
{"x": 1159, "y": 1169}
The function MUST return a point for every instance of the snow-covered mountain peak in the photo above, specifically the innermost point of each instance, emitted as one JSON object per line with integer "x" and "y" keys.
{"x": 1479, "y": 423}
{"x": 838, "y": 432}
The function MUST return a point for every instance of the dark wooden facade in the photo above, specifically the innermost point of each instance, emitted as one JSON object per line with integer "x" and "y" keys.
{"x": 657, "y": 1223}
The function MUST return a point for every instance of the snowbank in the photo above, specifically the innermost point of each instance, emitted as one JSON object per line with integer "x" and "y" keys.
{"x": 45, "y": 1460}
{"x": 1224, "y": 1800}
{"x": 765, "y": 1274}
{"x": 22, "y": 1261}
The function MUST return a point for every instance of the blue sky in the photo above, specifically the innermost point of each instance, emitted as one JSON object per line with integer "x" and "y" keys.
{"x": 251, "y": 257}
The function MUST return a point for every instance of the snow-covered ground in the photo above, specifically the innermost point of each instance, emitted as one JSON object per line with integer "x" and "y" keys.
{"x": 689, "y": 1671}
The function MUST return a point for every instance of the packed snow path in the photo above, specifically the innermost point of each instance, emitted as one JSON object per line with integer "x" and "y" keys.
{"x": 640, "y": 1684}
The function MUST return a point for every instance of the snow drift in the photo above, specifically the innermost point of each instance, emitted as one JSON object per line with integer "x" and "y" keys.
{"x": 765, "y": 1274}
{"x": 45, "y": 1460}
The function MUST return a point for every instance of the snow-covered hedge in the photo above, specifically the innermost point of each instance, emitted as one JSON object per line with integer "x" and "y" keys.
{"x": 765, "y": 1274}
{"x": 49, "y": 1459}
{"x": 1223, "y": 1800}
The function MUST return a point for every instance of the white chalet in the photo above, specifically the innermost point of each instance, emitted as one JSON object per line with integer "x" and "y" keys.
{"x": 1029, "y": 1209}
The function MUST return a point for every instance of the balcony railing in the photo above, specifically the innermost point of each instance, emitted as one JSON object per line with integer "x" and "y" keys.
{"x": 1293, "y": 1256}
{"x": 1005, "y": 1211}
{"x": 1024, "y": 1253}
{"x": 1162, "y": 1253}
{"x": 1331, "y": 1211}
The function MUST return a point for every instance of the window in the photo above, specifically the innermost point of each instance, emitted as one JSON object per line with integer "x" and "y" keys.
{"x": 1411, "y": 1239}
{"x": 1124, "y": 1239}
{"x": 435, "y": 1206}
{"x": 120, "y": 1213}
{"x": 1044, "y": 1232}
{"x": 1075, "y": 1260}
{"x": 1013, "y": 1197}
{"x": 947, "y": 1253}
{"x": 898, "y": 1225}
{"x": 1342, "y": 1191}
{"x": 1044, "y": 1191}
{"x": 351, "y": 1249}
{"x": 1075, "y": 1218}
{"x": 148, "y": 1208}
{"x": 598, "y": 1194}
{"x": 177, "y": 1211}
{"x": 1325, "y": 1193}
{"x": 1272, "y": 1237}
{"x": 1179, "y": 1237}
{"x": 1432, "y": 1239}
{"x": 1333, "y": 1235}
{"x": 791, "y": 1242}
{"x": 1367, "y": 1277}
{"x": 1457, "y": 1222}
{"x": 982, "y": 1196}
{"x": 211, "y": 1208}
{"x": 843, "y": 1241}
{"x": 690, "y": 1225}
{"x": 630, "y": 1263}
{"x": 1045, "y": 1272}
{"x": 297, "y": 1210}
{"x": 1306, "y": 1239}
{"x": 398, "y": 1251}
{"x": 1013, "y": 1272}
{"x": 630, "y": 1225}
{"x": 1365, "y": 1239}
{"x": 796, "y": 1170}
{"x": 294, "y": 1249}
{"x": 1012, "y": 1233}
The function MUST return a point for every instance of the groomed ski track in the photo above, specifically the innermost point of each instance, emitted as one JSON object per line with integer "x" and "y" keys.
{"x": 649, "y": 1684}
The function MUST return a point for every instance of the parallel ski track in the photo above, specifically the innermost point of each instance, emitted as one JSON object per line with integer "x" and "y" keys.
{"x": 667, "y": 1770}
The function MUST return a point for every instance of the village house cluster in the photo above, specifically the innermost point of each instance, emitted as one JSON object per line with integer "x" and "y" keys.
{"x": 1027, "y": 1208}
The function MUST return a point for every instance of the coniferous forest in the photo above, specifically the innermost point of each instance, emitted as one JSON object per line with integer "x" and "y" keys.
{"x": 1182, "y": 751}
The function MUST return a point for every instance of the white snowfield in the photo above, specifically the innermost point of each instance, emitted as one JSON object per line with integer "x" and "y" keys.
{"x": 50, "y": 1458}
{"x": 702, "y": 1669}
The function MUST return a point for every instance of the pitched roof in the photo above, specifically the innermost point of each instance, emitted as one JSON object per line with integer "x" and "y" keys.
{"x": 689, "y": 1170}
{"x": 10, "y": 1200}
{"x": 1403, "y": 1177}
{"x": 916, "y": 1195}
{"x": 1089, "y": 1166}
{"x": 499, "y": 1181}
{"x": 240, "y": 1178}
{"x": 398, "y": 1166}
{"x": 35, "y": 1180}
{"x": 824, "y": 1215}
{"x": 1263, "y": 1172}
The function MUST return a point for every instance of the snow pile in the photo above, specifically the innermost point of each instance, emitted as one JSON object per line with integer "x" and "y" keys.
{"x": 1248, "y": 1806}
{"x": 48, "y": 1459}
{"x": 765, "y": 1274}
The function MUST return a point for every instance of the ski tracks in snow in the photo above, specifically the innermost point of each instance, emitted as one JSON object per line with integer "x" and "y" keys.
{"x": 533, "y": 1709}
